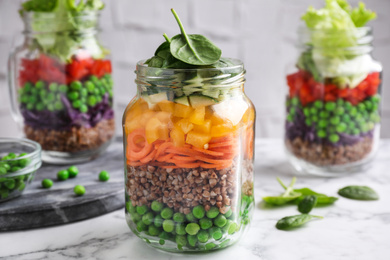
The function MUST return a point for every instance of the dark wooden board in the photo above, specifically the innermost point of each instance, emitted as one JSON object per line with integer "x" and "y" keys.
{"x": 38, "y": 207}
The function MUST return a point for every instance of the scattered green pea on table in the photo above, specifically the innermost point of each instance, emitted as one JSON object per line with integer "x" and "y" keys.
{"x": 104, "y": 176}
{"x": 79, "y": 190}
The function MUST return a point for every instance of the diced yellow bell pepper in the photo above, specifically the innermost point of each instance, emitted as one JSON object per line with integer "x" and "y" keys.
{"x": 185, "y": 125}
{"x": 152, "y": 130}
{"x": 204, "y": 128}
{"x": 221, "y": 130}
{"x": 177, "y": 137}
{"x": 139, "y": 121}
{"x": 216, "y": 120}
{"x": 167, "y": 106}
{"x": 182, "y": 110}
{"x": 197, "y": 139}
{"x": 164, "y": 117}
{"x": 197, "y": 116}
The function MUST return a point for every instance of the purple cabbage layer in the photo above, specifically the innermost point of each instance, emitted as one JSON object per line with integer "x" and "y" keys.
{"x": 69, "y": 117}
{"x": 298, "y": 128}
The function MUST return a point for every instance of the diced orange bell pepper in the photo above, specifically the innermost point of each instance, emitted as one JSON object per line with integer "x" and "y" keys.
{"x": 185, "y": 125}
{"x": 204, "y": 128}
{"x": 177, "y": 137}
{"x": 197, "y": 139}
{"x": 182, "y": 110}
{"x": 197, "y": 116}
{"x": 167, "y": 106}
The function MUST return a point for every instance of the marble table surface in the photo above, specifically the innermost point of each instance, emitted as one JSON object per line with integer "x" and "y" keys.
{"x": 350, "y": 229}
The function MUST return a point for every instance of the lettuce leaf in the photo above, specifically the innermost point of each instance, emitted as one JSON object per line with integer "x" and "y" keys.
{"x": 333, "y": 30}
{"x": 59, "y": 26}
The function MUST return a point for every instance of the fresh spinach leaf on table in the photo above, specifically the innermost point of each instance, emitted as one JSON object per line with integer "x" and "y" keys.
{"x": 291, "y": 222}
{"x": 358, "y": 193}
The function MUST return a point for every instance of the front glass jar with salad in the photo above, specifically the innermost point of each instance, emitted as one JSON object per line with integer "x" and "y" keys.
{"x": 334, "y": 92}
{"x": 188, "y": 146}
{"x": 60, "y": 80}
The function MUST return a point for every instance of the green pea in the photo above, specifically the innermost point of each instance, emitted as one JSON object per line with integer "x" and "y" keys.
{"x": 166, "y": 213}
{"x": 192, "y": 228}
{"x": 32, "y": 100}
{"x": 210, "y": 246}
{"x": 198, "y": 211}
{"x": 233, "y": 228}
{"x": 153, "y": 230}
{"x": 203, "y": 236}
{"x": 215, "y": 232}
{"x": 98, "y": 99}
{"x": 76, "y": 104}
{"x": 47, "y": 183}
{"x": 361, "y": 107}
{"x": 130, "y": 208}
{"x": 225, "y": 228}
{"x": 21, "y": 186}
{"x": 324, "y": 114}
{"x": 23, "y": 162}
{"x": 10, "y": 184}
{"x": 229, "y": 213}
{"x": 63, "y": 88}
{"x": 73, "y": 171}
{"x": 335, "y": 120}
{"x": 3, "y": 170}
{"x": 334, "y": 138}
{"x": 308, "y": 122}
{"x": 339, "y": 111}
{"x": 165, "y": 235}
{"x": 205, "y": 223}
{"x": 27, "y": 86}
{"x": 190, "y": 217}
{"x": 368, "y": 104}
{"x": 353, "y": 112}
{"x": 6, "y": 166}
{"x": 181, "y": 241}
{"x": 179, "y": 217}
{"x": 314, "y": 118}
{"x": 15, "y": 168}
{"x": 213, "y": 212}
{"x": 90, "y": 86}
{"x": 58, "y": 105}
{"x": 168, "y": 225}
{"x": 53, "y": 87}
{"x": 148, "y": 218}
{"x": 62, "y": 175}
{"x": 321, "y": 133}
{"x": 94, "y": 79}
{"x": 313, "y": 111}
{"x": 322, "y": 123}
{"x": 355, "y": 131}
{"x": 192, "y": 240}
{"x": 104, "y": 176}
{"x": 142, "y": 209}
{"x": 39, "y": 84}
{"x": 76, "y": 85}
{"x": 83, "y": 92}
{"x": 306, "y": 111}
{"x": 180, "y": 229}
{"x": 341, "y": 128}
{"x": 24, "y": 99}
{"x": 83, "y": 108}
{"x": 91, "y": 101}
{"x": 4, "y": 193}
{"x": 157, "y": 206}
{"x": 290, "y": 118}
{"x": 330, "y": 106}
{"x": 346, "y": 118}
{"x": 158, "y": 220}
{"x": 141, "y": 226}
{"x": 319, "y": 104}
{"x": 11, "y": 155}
{"x": 74, "y": 95}
{"x": 293, "y": 111}
{"x": 97, "y": 92}
{"x": 79, "y": 190}
{"x": 220, "y": 221}
{"x": 136, "y": 217}
{"x": 340, "y": 102}
{"x": 30, "y": 106}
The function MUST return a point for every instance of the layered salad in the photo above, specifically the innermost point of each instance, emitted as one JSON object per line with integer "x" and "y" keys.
{"x": 65, "y": 84}
{"x": 333, "y": 101}
{"x": 189, "y": 148}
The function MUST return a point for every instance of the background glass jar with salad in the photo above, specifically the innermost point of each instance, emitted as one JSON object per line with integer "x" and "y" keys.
{"x": 60, "y": 80}
{"x": 333, "y": 102}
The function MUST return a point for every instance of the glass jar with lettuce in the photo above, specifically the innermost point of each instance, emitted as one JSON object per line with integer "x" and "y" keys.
{"x": 333, "y": 119}
{"x": 60, "y": 80}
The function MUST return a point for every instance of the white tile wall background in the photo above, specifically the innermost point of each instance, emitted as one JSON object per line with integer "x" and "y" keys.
{"x": 260, "y": 32}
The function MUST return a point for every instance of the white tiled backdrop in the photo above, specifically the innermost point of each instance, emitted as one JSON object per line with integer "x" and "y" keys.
{"x": 260, "y": 32}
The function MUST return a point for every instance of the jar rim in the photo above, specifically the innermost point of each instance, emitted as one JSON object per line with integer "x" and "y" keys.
{"x": 238, "y": 64}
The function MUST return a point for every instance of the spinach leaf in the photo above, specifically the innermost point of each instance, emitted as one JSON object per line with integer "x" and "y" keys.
{"x": 193, "y": 49}
{"x": 358, "y": 193}
{"x": 307, "y": 204}
{"x": 322, "y": 199}
{"x": 284, "y": 198}
{"x": 291, "y": 222}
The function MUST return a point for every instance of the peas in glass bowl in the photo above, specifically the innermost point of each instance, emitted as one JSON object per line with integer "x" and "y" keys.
{"x": 19, "y": 160}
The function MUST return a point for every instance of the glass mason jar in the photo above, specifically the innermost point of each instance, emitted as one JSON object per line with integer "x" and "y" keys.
{"x": 333, "y": 104}
{"x": 61, "y": 86}
{"x": 188, "y": 145}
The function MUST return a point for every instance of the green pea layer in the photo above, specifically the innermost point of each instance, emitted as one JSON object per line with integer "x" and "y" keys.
{"x": 82, "y": 95}
{"x": 199, "y": 230}
{"x": 330, "y": 119}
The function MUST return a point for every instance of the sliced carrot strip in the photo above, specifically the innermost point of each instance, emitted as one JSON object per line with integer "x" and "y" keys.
{"x": 149, "y": 157}
{"x": 209, "y": 152}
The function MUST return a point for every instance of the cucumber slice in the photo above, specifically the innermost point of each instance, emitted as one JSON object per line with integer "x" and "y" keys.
{"x": 201, "y": 101}
{"x": 182, "y": 100}
{"x": 152, "y": 100}
{"x": 213, "y": 93}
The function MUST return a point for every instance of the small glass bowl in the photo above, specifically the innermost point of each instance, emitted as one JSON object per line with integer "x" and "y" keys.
{"x": 17, "y": 173}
